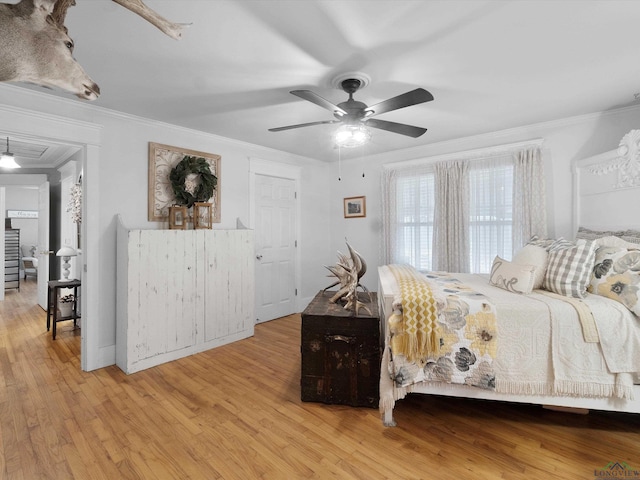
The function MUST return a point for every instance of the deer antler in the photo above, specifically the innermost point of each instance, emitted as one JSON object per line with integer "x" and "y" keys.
{"x": 174, "y": 30}
{"x": 37, "y": 49}
{"x": 60, "y": 12}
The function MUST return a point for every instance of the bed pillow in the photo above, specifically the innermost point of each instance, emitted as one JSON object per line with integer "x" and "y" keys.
{"x": 613, "y": 241}
{"x": 569, "y": 268}
{"x": 536, "y": 256}
{"x": 512, "y": 276}
{"x": 616, "y": 275}
{"x": 589, "y": 234}
{"x": 541, "y": 242}
{"x": 629, "y": 236}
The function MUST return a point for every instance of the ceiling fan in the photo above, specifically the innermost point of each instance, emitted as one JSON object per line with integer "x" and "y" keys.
{"x": 354, "y": 113}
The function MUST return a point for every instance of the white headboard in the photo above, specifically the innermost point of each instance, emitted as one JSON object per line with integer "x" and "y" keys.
{"x": 607, "y": 188}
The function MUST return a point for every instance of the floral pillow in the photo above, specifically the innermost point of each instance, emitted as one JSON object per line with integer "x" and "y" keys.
{"x": 616, "y": 275}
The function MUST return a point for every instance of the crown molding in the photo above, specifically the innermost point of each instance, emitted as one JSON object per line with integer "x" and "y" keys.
{"x": 91, "y": 109}
{"x": 499, "y": 135}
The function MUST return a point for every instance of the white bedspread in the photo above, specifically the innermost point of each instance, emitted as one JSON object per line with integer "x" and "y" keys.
{"x": 619, "y": 332}
{"x": 541, "y": 348}
{"x": 542, "y": 351}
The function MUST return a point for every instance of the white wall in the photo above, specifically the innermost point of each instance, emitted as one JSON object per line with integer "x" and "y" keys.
{"x": 122, "y": 176}
{"x": 23, "y": 198}
{"x": 565, "y": 141}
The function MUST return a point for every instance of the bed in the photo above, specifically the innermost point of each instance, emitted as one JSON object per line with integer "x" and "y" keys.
{"x": 539, "y": 347}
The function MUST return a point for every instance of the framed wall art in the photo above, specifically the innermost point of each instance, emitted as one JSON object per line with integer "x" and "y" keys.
{"x": 355, "y": 207}
{"x": 22, "y": 214}
{"x": 192, "y": 175}
{"x": 202, "y": 215}
{"x": 177, "y": 217}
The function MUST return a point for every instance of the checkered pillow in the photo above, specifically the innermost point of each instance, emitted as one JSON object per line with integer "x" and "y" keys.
{"x": 569, "y": 268}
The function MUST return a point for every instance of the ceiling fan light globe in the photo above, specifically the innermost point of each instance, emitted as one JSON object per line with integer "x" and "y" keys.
{"x": 350, "y": 136}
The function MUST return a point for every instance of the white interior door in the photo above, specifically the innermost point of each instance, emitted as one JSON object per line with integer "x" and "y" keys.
{"x": 43, "y": 243}
{"x": 275, "y": 238}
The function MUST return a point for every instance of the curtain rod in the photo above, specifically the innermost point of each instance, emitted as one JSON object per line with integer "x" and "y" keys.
{"x": 466, "y": 154}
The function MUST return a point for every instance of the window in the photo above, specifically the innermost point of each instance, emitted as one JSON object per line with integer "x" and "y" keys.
{"x": 414, "y": 227}
{"x": 491, "y": 214}
{"x": 492, "y": 219}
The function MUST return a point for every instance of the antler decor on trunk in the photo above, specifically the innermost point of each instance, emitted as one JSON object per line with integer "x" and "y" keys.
{"x": 348, "y": 271}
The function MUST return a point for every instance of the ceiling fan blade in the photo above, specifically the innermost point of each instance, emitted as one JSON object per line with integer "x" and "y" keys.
{"x": 401, "y": 128}
{"x": 289, "y": 127}
{"x": 414, "y": 97}
{"x": 318, "y": 100}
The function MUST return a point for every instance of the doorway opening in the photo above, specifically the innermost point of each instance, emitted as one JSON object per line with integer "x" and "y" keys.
{"x": 84, "y": 138}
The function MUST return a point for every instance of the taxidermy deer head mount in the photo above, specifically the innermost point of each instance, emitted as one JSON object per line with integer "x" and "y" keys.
{"x": 35, "y": 47}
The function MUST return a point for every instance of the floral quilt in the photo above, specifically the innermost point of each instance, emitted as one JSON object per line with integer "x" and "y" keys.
{"x": 466, "y": 338}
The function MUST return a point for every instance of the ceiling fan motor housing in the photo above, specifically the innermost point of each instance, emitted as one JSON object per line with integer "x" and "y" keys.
{"x": 355, "y": 110}
{"x": 351, "y": 85}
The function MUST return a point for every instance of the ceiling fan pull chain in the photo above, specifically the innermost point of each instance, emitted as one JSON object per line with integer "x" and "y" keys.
{"x": 339, "y": 164}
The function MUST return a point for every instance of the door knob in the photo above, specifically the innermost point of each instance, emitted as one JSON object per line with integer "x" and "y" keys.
{"x": 259, "y": 257}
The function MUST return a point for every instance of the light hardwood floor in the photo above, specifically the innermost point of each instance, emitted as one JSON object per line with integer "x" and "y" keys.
{"x": 235, "y": 413}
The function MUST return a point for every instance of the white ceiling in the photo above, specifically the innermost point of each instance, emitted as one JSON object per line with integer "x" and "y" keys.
{"x": 490, "y": 65}
{"x": 30, "y": 153}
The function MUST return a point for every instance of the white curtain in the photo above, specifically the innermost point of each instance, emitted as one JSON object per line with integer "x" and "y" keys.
{"x": 458, "y": 214}
{"x": 389, "y": 217}
{"x": 529, "y": 207}
{"x": 451, "y": 217}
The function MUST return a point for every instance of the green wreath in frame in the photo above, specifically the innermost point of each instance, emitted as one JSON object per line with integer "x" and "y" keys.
{"x": 178, "y": 178}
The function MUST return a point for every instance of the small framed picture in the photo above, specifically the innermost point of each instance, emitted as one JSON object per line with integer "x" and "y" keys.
{"x": 177, "y": 217}
{"x": 202, "y": 215}
{"x": 355, "y": 207}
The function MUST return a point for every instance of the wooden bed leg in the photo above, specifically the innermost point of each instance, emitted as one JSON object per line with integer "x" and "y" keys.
{"x": 388, "y": 420}
{"x": 575, "y": 410}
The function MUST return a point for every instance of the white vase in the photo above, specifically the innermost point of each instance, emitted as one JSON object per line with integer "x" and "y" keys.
{"x": 65, "y": 309}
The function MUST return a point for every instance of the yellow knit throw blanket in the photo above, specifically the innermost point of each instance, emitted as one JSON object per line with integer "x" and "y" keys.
{"x": 417, "y": 337}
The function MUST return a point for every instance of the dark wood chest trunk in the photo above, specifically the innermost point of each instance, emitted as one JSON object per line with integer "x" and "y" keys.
{"x": 340, "y": 353}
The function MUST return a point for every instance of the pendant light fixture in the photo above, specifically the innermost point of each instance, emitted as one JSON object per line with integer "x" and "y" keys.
{"x": 7, "y": 160}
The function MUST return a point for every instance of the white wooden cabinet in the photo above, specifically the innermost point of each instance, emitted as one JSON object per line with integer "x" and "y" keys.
{"x": 181, "y": 292}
